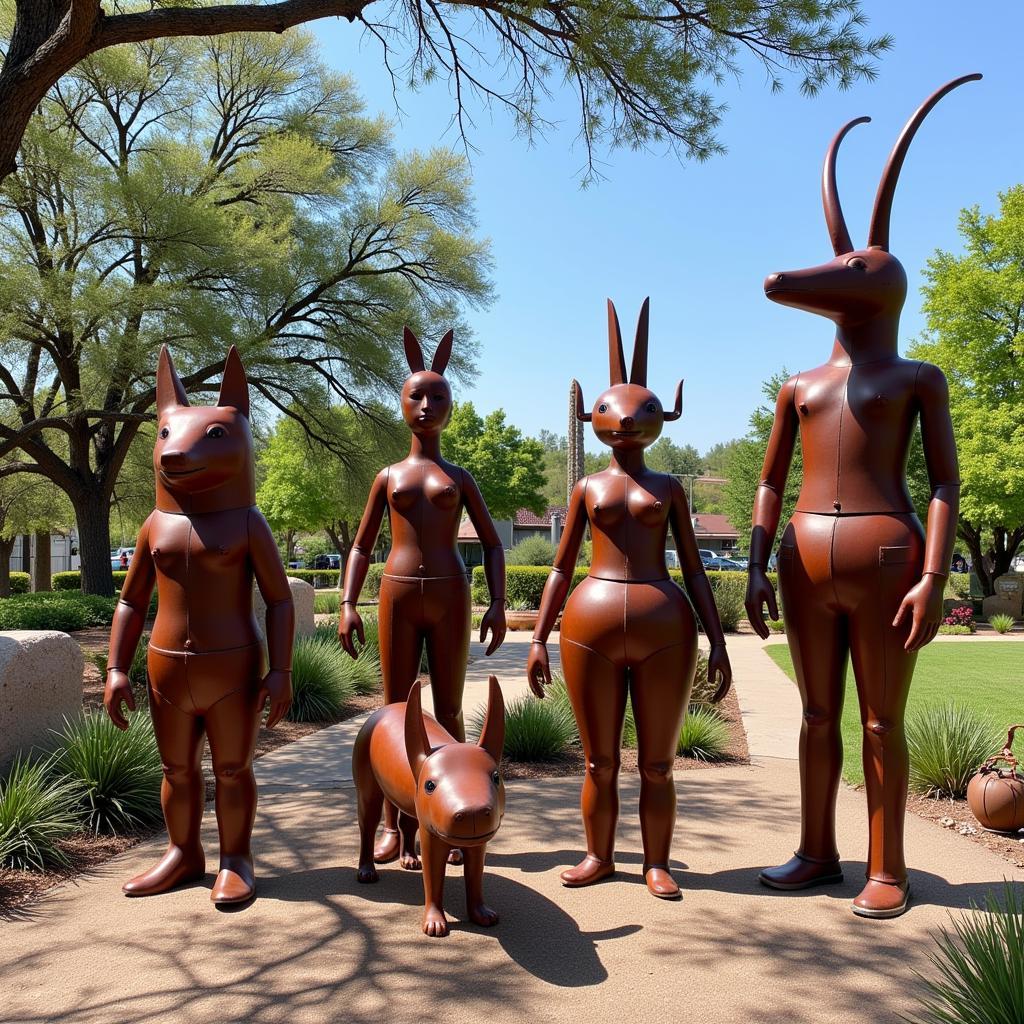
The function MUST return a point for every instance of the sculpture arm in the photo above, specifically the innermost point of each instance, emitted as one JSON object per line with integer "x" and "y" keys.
{"x": 365, "y": 538}
{"x": 273, "y": 584}
{"x": 494, "y": 562}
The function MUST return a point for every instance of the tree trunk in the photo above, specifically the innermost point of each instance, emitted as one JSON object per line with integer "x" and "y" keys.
{"x": 289, "y": 548}
{"x": 42, "y": 575}
{"x": 6, "y": 550}
{"x": 93, "y": 515}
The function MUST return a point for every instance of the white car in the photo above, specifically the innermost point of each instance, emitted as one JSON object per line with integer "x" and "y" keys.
{"x": 115, "y": 558}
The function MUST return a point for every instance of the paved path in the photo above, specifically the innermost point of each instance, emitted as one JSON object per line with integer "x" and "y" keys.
{"x": 317, "y": 947}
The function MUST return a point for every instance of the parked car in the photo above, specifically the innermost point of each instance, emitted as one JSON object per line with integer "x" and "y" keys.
{"x": 116, "y": 562}
{"x": 327, "y": 561}
{"x": 671, "y": 558}
{"x": 706, "y": 555}
{"x": 743, "y": 563}
{"x": 720, "y": 564}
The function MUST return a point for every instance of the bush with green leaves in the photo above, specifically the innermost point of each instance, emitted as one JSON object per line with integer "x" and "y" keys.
{"x": 958, "y": 586}
{"x": 535, "y": 730}
{"x": 730, "y": 591}
{"x": 36, "y": 813}
{"x": 531, "y": 551}
{"x": 979, "y": 965}
{"x": 776, "y": 625}
{"x": 947, "y": 742}
{"x": 115, "y": 773}
{"x": 322, "y": 680}
{"x": 54, "y": 610}
{"x": 19, "y": 582}
{"x": 1001, "y": 623}
{"x": 374, "y": 575}
{"x": 72, "y": 579}
{"x": 704, "y": 735}
{"x": 945, "y": 629}
{"x": 138, "y": 672}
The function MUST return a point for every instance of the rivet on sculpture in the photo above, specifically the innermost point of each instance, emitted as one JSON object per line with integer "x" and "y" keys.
{"x": 627, "y": 628}
{"x": 450, "y": 791}
{"x": 424, "y": 594}
{"x": 858, "y": 576}
{"x": 201, "y": 547}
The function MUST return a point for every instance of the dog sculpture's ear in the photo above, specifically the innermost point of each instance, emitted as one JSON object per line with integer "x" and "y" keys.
{"x": 170, "y": 393}
{"x": 234, "y": 386}
{"x": 413, "y": 352}
{"x": 417, "y": 745}
{"x": 492, "y": 736}
{"x": 677, "y": 410}
{"x": 443, "y": 353}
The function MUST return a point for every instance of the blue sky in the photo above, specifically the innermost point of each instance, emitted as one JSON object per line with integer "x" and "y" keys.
{"x": 700, "y": 238}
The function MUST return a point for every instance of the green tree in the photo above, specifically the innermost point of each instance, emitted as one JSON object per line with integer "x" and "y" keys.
{"x": 506, "y": 465}
{"x": 718, "y": 457}
{"x": 639, "y": 70}
{"x": 555, "y": 465}
{"x": 28, "y": 504}
{"x": 974, "y": 305}
{"x": 199, "y": 193}
{"x": 665, "y": 456}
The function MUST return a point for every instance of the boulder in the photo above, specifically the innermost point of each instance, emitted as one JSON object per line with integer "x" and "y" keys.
{"x": 999, "y": 605}
{"x": 302, "y": 597}
{"x": 1009, "y": 589}
{"x": 40, "y": 686}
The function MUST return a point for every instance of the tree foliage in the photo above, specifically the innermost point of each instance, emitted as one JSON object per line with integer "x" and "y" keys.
{"x": 640, "y": 70}
{"x": 665, "y": 456}
{"x": 974, "y": 305}
{"x": 201, "y": 193}
{"x": 505, "y": 464}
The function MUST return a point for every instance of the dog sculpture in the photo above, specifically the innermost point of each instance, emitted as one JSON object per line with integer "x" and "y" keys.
{"x": 451, "y": 791}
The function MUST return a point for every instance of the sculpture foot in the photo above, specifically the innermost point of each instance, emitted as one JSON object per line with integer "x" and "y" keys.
{"x": 800, "y": 872}
{"x": 236, "y": 881}
{"x": 435, "y": 924}
{"x": 660, "y": 882}
{"x": 367, "y": 874}
{"x": 454, "y": 855}
{"x": 482, "y": 915}
{"x": 388, "y": 847}
{"x": 410, "y": 862}
{"x": 589, "y": 870}
{"x": 882, "y": 899}
{"x": 176, "y": 867}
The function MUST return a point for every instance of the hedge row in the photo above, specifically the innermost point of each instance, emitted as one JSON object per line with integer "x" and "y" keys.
{"x": 73, "y": 580}
{"x": 525, "y": 584}
{"x": 52, "y": 610}
{"x": 20, "y": 582}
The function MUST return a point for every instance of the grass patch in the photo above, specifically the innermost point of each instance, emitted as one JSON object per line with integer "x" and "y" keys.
{"x": 116, "y": 774}
{"x": 321, "y": 679}
{"x": 704, "y": 735}
{"x": 326, "y": 602}
{"x": 987, "y": 677}
{"x": 36, "y": 813}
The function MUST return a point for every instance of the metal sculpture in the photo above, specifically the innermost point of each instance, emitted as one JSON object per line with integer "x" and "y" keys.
{"x": 996, "y": 794}
{"x": 451, "y": 791}
{"x": 201, "y": 548}
{"x": 424, "y": 594}
{"x": 627, "y": 628}
{"x": 857, "y": 574}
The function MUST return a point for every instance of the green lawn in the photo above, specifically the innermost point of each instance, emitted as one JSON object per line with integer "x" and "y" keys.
{"x": 987, "y": 675}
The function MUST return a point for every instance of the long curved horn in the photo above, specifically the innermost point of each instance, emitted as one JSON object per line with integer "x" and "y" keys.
{"x": 678, "y": 410}
{"x": 616, "y": 357}
{"x": 581, "y": 415}
{"x": 638, "y": 368}
{"x": 834, "y": 219}
{"x": 878, "y": 235}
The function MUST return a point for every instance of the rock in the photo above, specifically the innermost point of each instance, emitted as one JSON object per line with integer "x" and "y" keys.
{"x": 947, "y": 822}
{"x": 1009, "y": 596}
{"x": 40, "y": 685}
{"x": 968, "y": 830}
{"x": 302, "y": 597}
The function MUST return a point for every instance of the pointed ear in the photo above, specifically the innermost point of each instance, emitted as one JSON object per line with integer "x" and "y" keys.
{"x": 492, "y": 736}
{"x": 417, "y": 745}
{"x": 638, "y": 368}
{"x": 616, "y": 357}
{"x": 413, "y": 352}
{"x": 169, "y": 390}
{"x": 678, "y": 410}
{"x": 581, "y": 414}
{"x": 443, "y": 353}
{"x": 234, "y": 387}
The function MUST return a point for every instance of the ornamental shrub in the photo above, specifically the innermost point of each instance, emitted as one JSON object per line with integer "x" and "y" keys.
{"x": 960, "y": 615}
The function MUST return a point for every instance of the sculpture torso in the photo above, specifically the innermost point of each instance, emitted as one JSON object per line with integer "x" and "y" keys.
{"x": 855, "y": 428}
{"x": 424, "y": 509}
{"x": 629, "y": 524}
{"x": 204, "y": 579}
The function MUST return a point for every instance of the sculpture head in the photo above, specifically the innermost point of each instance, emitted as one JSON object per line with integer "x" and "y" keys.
{"x": 628, "y": 415}
{"x": 857, "y": 285}
{"x": 460, "y": 796}
{"x": 426, "y": 396}
{"x": 203, "y": 455}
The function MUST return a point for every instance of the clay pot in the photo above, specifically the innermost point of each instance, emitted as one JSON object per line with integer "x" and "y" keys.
{"x": 521, "y": 620}
{"x": 996, "y": 794}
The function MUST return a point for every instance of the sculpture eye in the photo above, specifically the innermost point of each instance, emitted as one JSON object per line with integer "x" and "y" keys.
{"x": 602, "y": 407}
{"x": 165, "y": 432}
{"x": 216, "y": 432}
{"x": 857, "y": 263}
{"x": 651, "y": 407}
{"x": 430, "y": 785}
{"x": 496, "y": 778}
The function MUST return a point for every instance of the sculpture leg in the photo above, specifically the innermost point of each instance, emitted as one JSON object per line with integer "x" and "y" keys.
{"x": 179, "y": 736}
{"x": 660, "y": 691}
{"x": 479, "y": 912}
{"x": 399, "y": 614}
{"x": 883, "y": 670}
{"x": 597, "y": 690}
{"x": 817, "y": 635}
{"x": 232, "y": 724}
{"x": 371, "y": 801}
{"x": 408, "y": 827}
{"x": 435, "y": 861}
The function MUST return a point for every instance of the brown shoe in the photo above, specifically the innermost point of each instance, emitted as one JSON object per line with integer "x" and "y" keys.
{"x": 660, "y": 882}
{"x": 176, "y": 867}
{"x": 587, "y": 872}
{"x": 882, "y": 899}
{"x": 236, "y": 881}
{"x": 800, "y": 872}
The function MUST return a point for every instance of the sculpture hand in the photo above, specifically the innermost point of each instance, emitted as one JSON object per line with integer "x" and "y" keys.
{"x": 759, "y": 593}
{"x": 350, "y": 625}
{"x": 538, "y": 668}
{"x": 720, "y": 669}
{"x": 277, "y": 687}
{"x": 923, "y": 604}
{"x": 493, "y": 622}
{"x": 117, "y": 689}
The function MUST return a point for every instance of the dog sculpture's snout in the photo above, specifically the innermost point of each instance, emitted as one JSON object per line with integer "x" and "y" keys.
{"x": 173, "y": 460}
{"x": 469, "y": 822}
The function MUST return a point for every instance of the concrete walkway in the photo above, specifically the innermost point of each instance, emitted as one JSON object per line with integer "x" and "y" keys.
{"x": 317, "y": 947}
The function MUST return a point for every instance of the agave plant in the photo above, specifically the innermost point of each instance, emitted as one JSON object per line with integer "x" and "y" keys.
{"x": 36, "y": 813}
{"x": 1001, "y": 623}
{"x": 321, "y": 679}
{"x": 947, "y": 742}
{"x": 535, "y": 730}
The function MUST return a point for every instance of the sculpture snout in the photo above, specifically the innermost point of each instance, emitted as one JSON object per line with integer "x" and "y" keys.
{"x": 474, "y": 822}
